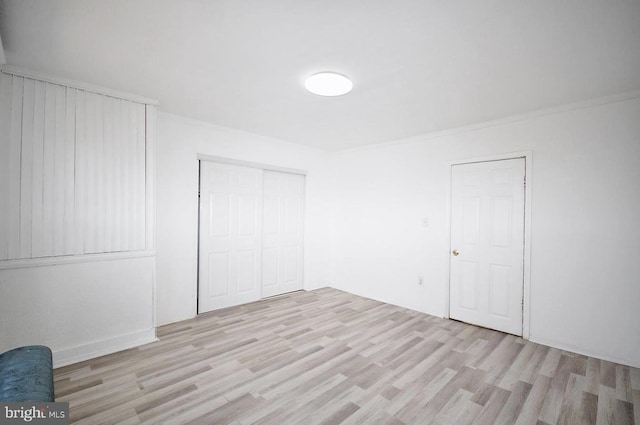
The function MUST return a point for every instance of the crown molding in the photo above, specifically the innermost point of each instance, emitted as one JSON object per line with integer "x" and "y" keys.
{"x": 21, "y": 72}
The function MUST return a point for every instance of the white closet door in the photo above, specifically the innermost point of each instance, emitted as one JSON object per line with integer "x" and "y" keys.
{"x": 282, "y": 256}
{"x": 487, "y": 235}
{"x": 230, "y": 235}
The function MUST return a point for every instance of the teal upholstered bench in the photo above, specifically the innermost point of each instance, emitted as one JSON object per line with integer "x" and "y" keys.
{"x": 26, "y": 374}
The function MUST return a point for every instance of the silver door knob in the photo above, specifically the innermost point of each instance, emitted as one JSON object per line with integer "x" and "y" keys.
{"x": 455, "y": 252}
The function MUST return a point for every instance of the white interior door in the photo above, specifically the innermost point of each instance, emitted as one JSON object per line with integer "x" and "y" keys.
{"x": 230, "y": 235}
{"x": 487, "y": 244}
{"x": 282, "y": 256}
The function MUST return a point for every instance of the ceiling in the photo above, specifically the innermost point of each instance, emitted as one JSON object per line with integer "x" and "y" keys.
{"x": 418, "y": 66}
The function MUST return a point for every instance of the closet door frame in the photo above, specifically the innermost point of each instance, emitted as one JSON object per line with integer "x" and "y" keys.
{"x": 262, "y": 166}
{"x": 231, "y": 161}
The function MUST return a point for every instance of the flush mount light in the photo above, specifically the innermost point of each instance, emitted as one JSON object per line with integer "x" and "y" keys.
{"x": 328, "y": 84}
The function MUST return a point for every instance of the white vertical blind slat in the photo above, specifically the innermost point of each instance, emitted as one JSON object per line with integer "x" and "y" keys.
{"x": 132, "y": 137}
{"x": 150, "y": 128}
{"x": 79, "y": 174}
{"x": 140, "y": 180}
{"x": 58, "y": 171}
{"x": 100, "y": 166}
{"x": 5, "y": 143}
{"x": 89, "y": 174}
{"x": 37, "y": 189}
{"x": 69, "y": 171}
{"x": 26, "y": 168}
{"x": 116, "y": 234}
{"x": 108, "y": 174}
{"x": 14, "y": 167}
{"x": 48, "y": 162}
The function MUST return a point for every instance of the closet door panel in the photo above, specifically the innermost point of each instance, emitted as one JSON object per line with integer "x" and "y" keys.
{"x": 283, "y": 233}
{"x": 230, "y": 249}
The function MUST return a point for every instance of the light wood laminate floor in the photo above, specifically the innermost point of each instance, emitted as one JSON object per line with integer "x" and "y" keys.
{"x": 329, "y": 357}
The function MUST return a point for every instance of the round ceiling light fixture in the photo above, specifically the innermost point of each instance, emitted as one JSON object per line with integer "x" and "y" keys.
{"x": 328, "y": 84}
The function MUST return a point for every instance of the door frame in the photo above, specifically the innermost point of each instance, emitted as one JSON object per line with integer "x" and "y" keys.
{"x": 526, "y": 292}
{"x": 250, "y": 164}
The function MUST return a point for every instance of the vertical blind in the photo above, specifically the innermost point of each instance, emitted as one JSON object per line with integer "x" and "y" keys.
{"x": 72, "y": 171}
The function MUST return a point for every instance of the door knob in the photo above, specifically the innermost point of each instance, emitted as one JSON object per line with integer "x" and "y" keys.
{"x": 455, "y": 252}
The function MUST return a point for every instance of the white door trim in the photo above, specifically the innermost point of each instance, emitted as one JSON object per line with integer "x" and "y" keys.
{"x": 526, "y": 293}
{"x": 250, "y": 164}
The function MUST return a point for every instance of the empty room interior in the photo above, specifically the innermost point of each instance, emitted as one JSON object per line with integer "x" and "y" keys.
{"x": 324, "y": 212}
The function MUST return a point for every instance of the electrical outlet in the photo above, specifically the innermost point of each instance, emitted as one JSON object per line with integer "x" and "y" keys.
{"x": 420, "y": 280}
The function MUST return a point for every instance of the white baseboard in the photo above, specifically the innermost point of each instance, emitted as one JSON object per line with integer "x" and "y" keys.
{"x": 391, "y": 302}
{"x": 577, "y": 350}
{"x": 102, "y": 347}
{"x": 314, "y": 286}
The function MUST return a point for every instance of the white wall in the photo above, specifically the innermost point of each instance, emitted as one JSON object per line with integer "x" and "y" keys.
{"x": 180, "y": 140}
{"x": 80, "y": 310}
{"x": 77, "y": 246}
{"x": 585, "y": 238}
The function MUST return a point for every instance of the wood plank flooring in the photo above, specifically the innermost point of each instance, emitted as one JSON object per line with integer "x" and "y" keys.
{"x": 329, "y": 357}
